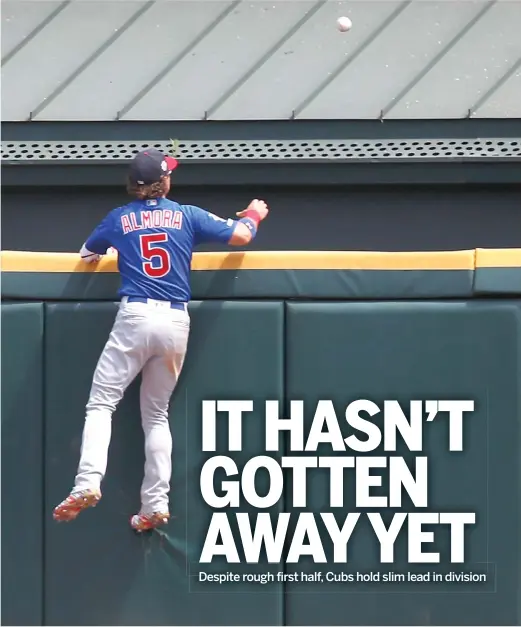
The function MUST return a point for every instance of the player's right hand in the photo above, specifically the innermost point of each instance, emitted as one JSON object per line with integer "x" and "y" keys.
{"x": 257, "y": 205}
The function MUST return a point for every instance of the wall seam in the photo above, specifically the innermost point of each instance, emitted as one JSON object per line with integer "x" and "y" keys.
{"x": 43, "y": 469}
{"x": 285, "y": 409}
{"x": 474, "y": 272}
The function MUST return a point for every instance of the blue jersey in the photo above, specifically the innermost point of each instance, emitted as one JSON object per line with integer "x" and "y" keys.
{"x": 155, "y": 240}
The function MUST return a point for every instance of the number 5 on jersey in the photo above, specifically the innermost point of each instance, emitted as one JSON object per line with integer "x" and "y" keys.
{"x": 157, "y": 259}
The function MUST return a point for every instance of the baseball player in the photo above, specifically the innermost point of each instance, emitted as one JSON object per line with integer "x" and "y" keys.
{"x": 154, "y": 238}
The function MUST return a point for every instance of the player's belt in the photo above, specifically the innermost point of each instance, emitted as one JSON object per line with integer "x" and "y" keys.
{"x": 151, "y": 301}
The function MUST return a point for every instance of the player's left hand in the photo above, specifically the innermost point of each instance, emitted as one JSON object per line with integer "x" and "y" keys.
{"x": 91, "y": 258}
{"x": 257, "y": 205}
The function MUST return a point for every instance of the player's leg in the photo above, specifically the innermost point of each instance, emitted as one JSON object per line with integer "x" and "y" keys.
{"x": 120, "y": 362}
{"x": 159, "y": 379}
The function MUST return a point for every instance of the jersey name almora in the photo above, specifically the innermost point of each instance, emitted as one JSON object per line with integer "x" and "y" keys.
{"x": 155, "y": 240}
{"x": 157, "y": 219}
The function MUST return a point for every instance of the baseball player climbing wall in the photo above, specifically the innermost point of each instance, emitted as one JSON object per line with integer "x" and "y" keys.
{"x": 155, "y": 238}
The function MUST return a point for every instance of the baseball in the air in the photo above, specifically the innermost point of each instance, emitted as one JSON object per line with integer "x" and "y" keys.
{"x": 344, "y": 24}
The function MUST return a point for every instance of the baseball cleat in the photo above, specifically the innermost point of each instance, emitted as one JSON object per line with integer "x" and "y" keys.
{"x": 76, "y": 502}
{"x": 147, "y": 522}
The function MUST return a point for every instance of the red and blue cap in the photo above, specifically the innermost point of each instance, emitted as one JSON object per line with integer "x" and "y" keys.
{"x": 150, "y": 166}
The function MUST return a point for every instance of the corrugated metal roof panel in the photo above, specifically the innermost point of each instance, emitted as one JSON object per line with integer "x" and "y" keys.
{"x": 308, "y": 58}
{"x": 502, "y": 100}
{"x": 403, "y": 49}
{"x": 221, "y": 59}
{"x": 56, "y": 53}
{"x": 477, "y": 60}
{"x": 255, "y": 59}
{"x": 158, "y": 39}
{"x": 20, "y": 24}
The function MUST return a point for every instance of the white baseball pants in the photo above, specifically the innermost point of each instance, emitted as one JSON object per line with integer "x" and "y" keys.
{"x": 152, "y": 338}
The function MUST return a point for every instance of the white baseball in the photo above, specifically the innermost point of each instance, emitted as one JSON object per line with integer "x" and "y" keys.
{"x": 344, "y": 24}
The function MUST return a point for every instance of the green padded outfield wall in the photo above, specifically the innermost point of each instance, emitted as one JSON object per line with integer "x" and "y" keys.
{"x": 22, "y": 463}
{"x": 423, "y": 350}
{"x": 151, "y": 581}
{"x": 253, "y": 349}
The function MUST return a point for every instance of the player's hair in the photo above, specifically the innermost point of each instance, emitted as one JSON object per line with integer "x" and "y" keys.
{"x": 142, "y": 192}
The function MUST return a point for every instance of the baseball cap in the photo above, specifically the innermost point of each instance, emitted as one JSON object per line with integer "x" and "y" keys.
{"x": 149, "y": 166}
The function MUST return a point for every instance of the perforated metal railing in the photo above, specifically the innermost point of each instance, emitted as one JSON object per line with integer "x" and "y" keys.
{"x": 271, "y": 150}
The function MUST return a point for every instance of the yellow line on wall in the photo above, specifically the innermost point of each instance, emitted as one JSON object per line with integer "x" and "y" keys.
{"x": 22, "y": 261}
{"x": 331, "y": 260}
{"x": 499, "y": 257}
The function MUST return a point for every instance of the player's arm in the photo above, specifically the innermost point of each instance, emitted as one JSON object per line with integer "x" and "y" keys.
{"x": 98, "y": 242}
{"x": 248, "y": 223}
{"x": 212, "y": 228}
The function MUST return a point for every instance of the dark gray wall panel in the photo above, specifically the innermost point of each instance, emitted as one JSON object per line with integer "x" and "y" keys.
{"x": 346, "y": 218}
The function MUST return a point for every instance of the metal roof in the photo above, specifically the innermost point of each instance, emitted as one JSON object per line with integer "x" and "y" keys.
{"x": 253, "y": 59}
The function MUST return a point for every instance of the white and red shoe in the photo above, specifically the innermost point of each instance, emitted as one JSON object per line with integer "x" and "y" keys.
{"x": 75, "y": 503}
{"x": 147, "y": 522}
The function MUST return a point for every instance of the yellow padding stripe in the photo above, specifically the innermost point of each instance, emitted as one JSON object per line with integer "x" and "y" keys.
{"x": 15, "y": 261}
{"x": 499, "y": 257}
